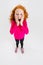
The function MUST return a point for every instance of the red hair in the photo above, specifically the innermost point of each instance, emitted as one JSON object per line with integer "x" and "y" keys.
{"x": 18, "y": 7}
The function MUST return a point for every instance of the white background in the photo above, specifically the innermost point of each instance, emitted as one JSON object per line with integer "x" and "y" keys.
{"x": 33, "y": 43}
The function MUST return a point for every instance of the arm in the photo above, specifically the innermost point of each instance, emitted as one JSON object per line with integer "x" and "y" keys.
{"x": 25, "y": 28}
{"x": 13, "y": 27}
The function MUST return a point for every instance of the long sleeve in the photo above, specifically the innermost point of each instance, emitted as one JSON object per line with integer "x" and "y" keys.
{"x": 13, "y": 28}
{"x": 25, "y": 28}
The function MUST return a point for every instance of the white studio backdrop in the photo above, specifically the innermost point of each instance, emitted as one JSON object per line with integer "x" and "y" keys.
{"x": 33, "y": 42}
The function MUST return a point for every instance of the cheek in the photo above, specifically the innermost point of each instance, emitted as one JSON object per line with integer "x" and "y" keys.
{"x": 16, "y": 17}
{"x": 22, "y": 16}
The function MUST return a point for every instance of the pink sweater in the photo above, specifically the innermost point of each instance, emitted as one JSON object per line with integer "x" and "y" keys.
{"x": 19, "y": 31}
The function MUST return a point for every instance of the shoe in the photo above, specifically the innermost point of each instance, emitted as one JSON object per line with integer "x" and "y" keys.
{"x": 22, "y": 50}
{"x": 16, "y": 50}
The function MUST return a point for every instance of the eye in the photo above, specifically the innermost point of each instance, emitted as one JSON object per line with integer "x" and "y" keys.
{"x": 17, "y": 14}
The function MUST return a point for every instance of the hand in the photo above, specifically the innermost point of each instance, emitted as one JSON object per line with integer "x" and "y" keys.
{"x": 20, "y": 23}
{"x": 17, "y": 22}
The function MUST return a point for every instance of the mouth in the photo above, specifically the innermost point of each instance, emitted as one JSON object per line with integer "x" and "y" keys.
{"x": 19, "y": 20}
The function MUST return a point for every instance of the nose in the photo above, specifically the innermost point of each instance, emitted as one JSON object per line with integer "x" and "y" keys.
{"x": 19, "y": 16}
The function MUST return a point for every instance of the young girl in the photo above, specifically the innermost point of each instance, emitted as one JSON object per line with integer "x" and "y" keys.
{"x": 19, "y": 25}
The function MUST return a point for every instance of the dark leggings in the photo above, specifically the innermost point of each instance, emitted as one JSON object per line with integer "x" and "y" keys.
{"x": 21, "y": 42}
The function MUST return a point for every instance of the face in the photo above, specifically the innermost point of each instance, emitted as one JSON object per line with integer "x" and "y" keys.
{"x": 19, "y": 15}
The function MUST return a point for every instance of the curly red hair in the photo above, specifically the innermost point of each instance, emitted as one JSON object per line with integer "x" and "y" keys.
{"x": 18, "y": 7}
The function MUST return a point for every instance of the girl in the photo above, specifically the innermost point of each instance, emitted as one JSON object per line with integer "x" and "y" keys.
{"x": 19, "y": 25}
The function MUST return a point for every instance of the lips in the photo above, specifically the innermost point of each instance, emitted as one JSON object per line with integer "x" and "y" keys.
{"x": 19, "y": 20}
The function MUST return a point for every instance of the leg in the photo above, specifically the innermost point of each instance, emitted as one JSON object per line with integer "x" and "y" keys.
{"x": 21, "y": 41}
{"x": 17, "y": 43}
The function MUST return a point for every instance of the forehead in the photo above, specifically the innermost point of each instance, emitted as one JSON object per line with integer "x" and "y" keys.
{"x": 19, "y": 10}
